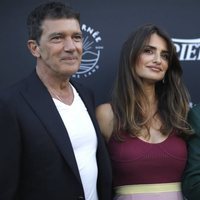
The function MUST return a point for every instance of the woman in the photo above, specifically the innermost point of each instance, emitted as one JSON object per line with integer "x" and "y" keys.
{"x": 145, "y": 123}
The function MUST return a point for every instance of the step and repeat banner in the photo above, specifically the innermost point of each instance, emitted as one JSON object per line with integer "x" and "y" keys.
{"x": 105, "y": 25}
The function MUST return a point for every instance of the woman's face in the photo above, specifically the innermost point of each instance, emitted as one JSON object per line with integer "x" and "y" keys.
{"x": 153, "y": 62}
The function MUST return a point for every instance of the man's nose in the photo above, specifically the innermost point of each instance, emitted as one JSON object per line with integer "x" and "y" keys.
{"x": 69, "y": 44}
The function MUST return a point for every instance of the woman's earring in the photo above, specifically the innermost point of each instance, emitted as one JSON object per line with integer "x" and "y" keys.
{"x": 163, "y": 81}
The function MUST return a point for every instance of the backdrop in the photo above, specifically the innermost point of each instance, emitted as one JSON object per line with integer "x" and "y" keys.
{"x": 105, "y": 25}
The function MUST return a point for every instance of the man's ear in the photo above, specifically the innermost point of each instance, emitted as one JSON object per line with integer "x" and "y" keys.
{"x": 34, "y": 48}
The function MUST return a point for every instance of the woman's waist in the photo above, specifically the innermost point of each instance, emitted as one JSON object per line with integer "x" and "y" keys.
{"x": 148, "y": 188}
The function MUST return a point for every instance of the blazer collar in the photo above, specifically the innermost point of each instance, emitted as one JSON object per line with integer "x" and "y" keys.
{"x": 37, "y": 95}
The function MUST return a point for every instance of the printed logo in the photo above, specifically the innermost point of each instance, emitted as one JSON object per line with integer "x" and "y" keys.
{"x": 187, "y": 49}
{"x": 91, "y": 52}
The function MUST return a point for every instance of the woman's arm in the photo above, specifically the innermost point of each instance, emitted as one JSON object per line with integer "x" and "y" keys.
{"x": 104, "y": 115}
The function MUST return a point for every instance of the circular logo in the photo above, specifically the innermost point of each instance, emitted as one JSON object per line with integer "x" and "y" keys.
{"x": 91, "y": 52}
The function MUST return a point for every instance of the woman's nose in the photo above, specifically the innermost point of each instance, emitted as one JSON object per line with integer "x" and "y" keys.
{"x": 157, "y": 58}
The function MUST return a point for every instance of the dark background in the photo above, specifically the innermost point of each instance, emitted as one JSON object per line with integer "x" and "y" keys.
{"x": 114, "y": 20}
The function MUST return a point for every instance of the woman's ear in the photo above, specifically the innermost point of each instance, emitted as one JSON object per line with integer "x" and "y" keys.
{"x": 34, "y": 48}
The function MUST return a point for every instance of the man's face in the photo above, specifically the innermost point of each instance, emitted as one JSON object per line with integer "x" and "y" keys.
{"x": 60, "y": 46}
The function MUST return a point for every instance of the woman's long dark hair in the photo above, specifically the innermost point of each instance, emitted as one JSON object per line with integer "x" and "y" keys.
{"x": 129, "y": 99}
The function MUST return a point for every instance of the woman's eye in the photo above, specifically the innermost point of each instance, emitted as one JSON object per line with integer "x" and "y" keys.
{"x": 147, "y": 50}
{"x": 165, "y": 56}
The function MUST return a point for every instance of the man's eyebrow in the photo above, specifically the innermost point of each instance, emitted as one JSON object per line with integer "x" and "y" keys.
{"x": 62, "y": 34}
{"x": 55, "y": 34}
{"x": 78, "y": 33}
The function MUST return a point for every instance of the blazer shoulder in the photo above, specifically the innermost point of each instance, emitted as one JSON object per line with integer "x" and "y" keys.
{"x": 194, "y": 118}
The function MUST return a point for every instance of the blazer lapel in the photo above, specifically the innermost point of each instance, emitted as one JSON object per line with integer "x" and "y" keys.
{"x": 41, "y": 102}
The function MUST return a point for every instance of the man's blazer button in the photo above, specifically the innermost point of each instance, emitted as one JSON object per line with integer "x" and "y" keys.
{"x": 80, "y": 198}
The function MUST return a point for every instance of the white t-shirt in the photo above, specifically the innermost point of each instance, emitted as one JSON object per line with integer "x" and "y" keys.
{"x": 84, "y": 142}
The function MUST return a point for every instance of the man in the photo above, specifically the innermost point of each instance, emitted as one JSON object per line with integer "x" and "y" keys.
{"x": 50, "y": 144}
{"x": 191, "y": 178}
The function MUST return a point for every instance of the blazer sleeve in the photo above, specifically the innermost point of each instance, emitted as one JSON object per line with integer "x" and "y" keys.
{"x": 9, "y": 153}
{"x": 191, "y": 177}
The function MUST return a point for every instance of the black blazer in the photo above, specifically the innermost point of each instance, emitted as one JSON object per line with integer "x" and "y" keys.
{"x": 191, "y": 176}
{"x": 36, "y": 156}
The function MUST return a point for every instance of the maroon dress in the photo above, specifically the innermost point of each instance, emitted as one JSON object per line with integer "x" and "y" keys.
{"x": 136, "y": 162}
